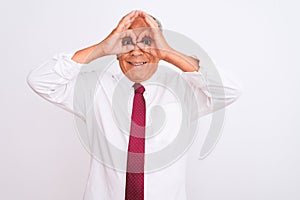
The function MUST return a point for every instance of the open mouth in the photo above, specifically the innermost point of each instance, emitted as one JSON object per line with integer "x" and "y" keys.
{"x": 136, "y": 63}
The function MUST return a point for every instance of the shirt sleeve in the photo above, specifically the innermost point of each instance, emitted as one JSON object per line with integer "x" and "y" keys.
{"x": 212, "y": 90}
{"x": 55, "y": 80}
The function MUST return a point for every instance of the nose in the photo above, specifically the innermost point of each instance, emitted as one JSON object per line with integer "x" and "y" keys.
{"x": 136, "y": 51}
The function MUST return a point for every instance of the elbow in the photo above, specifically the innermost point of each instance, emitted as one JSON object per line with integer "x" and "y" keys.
{"x": 231, "y": 95}
{"x": 37, "y": 84}
{"x": 31, "y": 80}
{"x": 238, "y": 90}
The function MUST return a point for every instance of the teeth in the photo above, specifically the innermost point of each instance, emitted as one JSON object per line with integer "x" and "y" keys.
{"x": 137, "y": 63}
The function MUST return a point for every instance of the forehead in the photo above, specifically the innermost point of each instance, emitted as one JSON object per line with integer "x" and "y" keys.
{"x": 139, "y": 22}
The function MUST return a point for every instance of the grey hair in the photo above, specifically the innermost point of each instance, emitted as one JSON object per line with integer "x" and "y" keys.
{"x": 158, "y": 23}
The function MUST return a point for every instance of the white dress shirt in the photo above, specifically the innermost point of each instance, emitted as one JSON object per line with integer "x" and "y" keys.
{"x": 102, "y": 100}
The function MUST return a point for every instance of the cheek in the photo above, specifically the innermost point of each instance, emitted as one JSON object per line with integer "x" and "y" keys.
{"x": 152, "y": 59}
{"x": 123, "y": 66}
{"x": 150, "y": 68}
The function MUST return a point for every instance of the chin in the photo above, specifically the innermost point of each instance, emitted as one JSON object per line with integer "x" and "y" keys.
{"x": 137, "y": 77}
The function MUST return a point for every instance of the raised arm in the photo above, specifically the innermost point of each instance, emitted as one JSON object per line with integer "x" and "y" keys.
{"x": 56, "y": 79}
{"x": 112, "y": 44}
{"x": 161, "y": 49}
{"x": 213, "y": 90}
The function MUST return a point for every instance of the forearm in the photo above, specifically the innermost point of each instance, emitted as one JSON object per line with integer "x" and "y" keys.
{"x": 86, "y": 55}
{"x": 182, "y": 61}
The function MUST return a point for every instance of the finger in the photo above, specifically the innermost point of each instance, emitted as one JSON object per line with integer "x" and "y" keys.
{"x": 129, "y": 15}
{"x": 146, "y": 18}
{"x": 149, "y": 19}
{"x": 143, "y": 47}
{"x": 131, "y": 34}
{"x": 147, "y": 49}
{"x": 125, "y": 23}
{"x": 151, "y": 22}
{"x": 128, "y": 24}
{"x": 123, "y": 50}
{"x": 127, "y": 48}
{"x": 128, "y": 33}
{"x": 143, "y": 34}
{"x": 142, "y": 14}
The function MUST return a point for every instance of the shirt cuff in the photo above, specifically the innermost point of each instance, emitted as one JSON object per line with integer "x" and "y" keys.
{"x": 65, "y": 66}
{"x": 198, "y": 82}
{"x": 196, "y": 79}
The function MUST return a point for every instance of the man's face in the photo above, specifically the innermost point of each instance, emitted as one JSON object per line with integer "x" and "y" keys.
{"x": 137, "y": 64}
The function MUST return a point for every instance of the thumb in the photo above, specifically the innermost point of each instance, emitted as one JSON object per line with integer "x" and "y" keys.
{"x": 143, "y": 47}
{"x": 127, "y": 48}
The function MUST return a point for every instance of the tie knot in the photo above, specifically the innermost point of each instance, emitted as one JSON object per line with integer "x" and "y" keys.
{"x": 138, "y": 88}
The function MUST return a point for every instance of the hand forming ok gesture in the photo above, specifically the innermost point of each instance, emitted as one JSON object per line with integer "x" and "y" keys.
{"x": 151, "y": 39}
{"x": 117, "y": 41}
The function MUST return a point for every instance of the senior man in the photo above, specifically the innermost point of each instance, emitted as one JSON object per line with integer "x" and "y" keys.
{"x": 129, "y": 160}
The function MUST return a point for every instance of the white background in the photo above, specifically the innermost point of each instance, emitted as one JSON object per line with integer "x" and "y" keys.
{"x": 258, "y": 156}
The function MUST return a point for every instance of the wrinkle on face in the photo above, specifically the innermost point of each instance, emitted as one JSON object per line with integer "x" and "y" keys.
{"x": 137, "y": 64}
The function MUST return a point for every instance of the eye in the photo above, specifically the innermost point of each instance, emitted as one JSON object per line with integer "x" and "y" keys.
{"x": 127, "y": 41}
{"x": 147, "y": 41}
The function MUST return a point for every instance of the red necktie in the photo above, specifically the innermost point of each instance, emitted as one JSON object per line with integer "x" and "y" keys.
{"x": 136, "y": 147}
